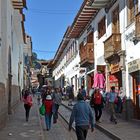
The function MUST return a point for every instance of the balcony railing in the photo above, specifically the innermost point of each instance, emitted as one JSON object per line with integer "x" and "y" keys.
{"x": 112, "y": 45}
{"x": 86, "y": 54}
{"x": 137, "y": 26}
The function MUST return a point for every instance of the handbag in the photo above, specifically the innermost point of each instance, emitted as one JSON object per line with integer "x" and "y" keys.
{"x": 116, "y": 100}
{"x": 42, "y": 110}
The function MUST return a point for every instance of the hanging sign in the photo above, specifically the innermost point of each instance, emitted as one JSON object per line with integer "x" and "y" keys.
{"x": 114, "y": 68}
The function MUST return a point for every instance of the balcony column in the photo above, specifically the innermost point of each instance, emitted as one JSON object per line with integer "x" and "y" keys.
{"x": 123, "y": 69}
{"x": 107, "y": 75}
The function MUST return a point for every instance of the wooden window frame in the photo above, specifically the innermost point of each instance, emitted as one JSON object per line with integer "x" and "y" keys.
{"x": 101, "y": 27}
{"x": 132, "y": 10}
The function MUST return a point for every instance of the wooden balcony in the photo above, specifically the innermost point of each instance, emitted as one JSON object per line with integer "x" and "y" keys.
{"x": 137, "y": 26}
{"x": 112, "y": 45}
{"x": 86, "y": 54}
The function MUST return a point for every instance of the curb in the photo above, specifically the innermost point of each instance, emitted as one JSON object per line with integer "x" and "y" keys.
{"x": 102, "y": 129}
{"x": 107, "y": 132}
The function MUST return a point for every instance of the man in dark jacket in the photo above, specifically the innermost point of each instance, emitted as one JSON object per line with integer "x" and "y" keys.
{"x": 83, "y": 116}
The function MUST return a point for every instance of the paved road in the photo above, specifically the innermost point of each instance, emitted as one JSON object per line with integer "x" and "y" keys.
{"x": 59, "y": 131}
{"x": 18, "y": 129}
{"x": 96, "y": 135}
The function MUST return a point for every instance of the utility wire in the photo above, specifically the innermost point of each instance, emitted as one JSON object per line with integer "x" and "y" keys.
{"x": 41, "y": 11}
{"x": 44, "y": 51}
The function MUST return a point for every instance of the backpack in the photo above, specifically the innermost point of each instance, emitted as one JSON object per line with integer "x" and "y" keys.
{"x": 97, "y": 99}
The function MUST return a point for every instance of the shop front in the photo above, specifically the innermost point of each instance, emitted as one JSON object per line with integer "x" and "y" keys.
{"x": 134, "y": 71}
{"x": 114, "y": 75}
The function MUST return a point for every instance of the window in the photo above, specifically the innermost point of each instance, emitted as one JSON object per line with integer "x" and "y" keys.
{"x": 115, "y": 20}
{"x": 90, "y": 38}
{"x": 132, "y": 10}
{"x": 101, "y": 28}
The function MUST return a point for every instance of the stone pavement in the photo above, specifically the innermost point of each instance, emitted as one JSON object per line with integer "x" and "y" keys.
{"x": 124, "y": 130}
{"x": 18, "y": 129}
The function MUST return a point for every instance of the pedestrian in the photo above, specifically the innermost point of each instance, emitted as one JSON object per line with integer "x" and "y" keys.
{"x": 111, "y": 97}
{"x": 83, "y": 116}
{"x": 57, "y": 99}
{"x": 38, "y": 99}
{"x": 48, "y": 102}
{"x": 97, "y": 102}
{"x": 27, "y": 99}
{"x": 23, "y": 92}
{"x": 83, "y": 92}
{"x": 71, "y": 95}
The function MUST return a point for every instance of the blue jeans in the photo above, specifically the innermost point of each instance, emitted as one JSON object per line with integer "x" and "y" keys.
{"x": 48, "y": 118}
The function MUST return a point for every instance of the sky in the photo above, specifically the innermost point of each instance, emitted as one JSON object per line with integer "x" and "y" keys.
{"x": 46, "y": 22}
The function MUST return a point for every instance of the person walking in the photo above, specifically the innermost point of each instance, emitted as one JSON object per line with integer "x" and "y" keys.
{"x": 27, "y": 99}
{"x": 111, "y": 97}
{"x": 71, "y": 95}
{"x": 83, "y": 92}
{"x": 97, "y": 102}
{"x": 57, "y": 99}
{"x": 83, "y": 116}
{"x": 48, "y": 102}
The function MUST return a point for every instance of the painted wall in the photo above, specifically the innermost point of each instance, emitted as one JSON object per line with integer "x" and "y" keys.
{"x": 11, "y": 43}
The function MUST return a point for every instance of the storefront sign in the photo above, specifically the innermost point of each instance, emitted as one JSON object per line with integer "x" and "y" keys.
{"x": 134, "y": 66}
{"x": 114, "y": 68}
{"x": 130, "y": 35}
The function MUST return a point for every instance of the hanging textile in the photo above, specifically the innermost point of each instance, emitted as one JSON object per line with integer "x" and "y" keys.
{"x": 99, "y": 80}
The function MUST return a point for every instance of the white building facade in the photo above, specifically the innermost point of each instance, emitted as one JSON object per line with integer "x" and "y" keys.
{"x": 115, "y": 31}
{"x": 11, "y": 55}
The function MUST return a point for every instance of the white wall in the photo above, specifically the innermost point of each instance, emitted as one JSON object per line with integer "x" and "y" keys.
{"x": 0, "y": 42}
{"x": 4, "y": 44}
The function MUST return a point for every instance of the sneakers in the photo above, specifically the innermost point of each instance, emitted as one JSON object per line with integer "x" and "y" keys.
{"x": 98, "y": 121}
{"x": 115, "y": 122}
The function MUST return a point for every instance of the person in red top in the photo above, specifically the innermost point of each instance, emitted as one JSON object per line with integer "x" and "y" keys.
{"x": 27, "y": 99}
{"x": 97, "y": 103}
{"x": 48, "y": 102}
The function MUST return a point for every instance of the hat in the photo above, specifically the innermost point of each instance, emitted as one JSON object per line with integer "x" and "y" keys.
{"x": 48, "y": 97}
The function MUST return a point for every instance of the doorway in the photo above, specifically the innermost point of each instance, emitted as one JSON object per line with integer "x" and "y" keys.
{"x": 9, "y": 82}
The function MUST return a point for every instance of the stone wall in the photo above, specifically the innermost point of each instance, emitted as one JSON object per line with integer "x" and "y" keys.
{"x": 3, "y": 105}
{"x": 15, "y": 96}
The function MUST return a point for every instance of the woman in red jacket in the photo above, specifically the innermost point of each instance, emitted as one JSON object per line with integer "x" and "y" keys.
{"x": 27, "y": 99}
{"x": 48, "y": 102}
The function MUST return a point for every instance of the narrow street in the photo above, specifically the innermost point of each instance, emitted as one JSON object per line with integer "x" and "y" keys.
{"x": 65, "y": 52}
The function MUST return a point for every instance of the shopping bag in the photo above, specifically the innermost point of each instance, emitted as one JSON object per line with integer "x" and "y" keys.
{"x": 42, "y": 109}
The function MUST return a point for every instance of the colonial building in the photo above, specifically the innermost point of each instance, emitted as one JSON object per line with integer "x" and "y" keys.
{"x": 66, "y": 63}
{"x": 27, "y": 62}
{"x": 12, "y": 41}
{"x": 108, "y": 36}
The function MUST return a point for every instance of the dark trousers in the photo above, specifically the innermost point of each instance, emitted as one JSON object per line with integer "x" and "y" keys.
{"x": 98, "y": 111}
{"x": 27, "y": 110}
{"x": 55, "y": 112}
{"x": 81, "y": 132}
